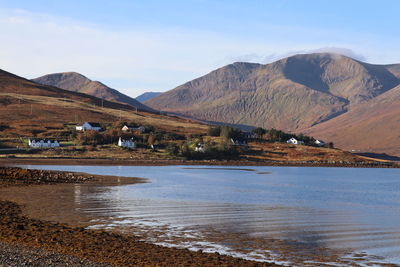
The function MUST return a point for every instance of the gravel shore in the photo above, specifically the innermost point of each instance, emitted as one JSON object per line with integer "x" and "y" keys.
{"x": 18, "y": 255}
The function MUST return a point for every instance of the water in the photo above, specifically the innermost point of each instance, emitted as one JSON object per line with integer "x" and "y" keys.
{"x": 295, "y": 215}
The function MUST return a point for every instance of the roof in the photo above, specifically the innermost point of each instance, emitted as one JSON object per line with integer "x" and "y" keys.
{"x": 94, "y": 124}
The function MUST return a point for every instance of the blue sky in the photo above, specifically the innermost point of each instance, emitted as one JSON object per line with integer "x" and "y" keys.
{"x": 138, "y": 46}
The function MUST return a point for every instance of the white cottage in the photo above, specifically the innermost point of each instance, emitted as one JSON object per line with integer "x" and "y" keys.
{"x": 89, "y": 126}
{"x": 200, "y": 148}
{"x": 127, "y": 128}
{"x": 238, "y": 142}
{"x": 127, "y": 143}
{"x": 43, "y": 143}
{"x": 319, "y": 142}
{"x": 294, "y": 141}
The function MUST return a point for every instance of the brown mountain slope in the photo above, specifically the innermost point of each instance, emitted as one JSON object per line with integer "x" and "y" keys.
{"x": 27, "y": 108}
{"x": 76, "y": 82}
{"x": 11, "y": 83}
{"x": 290, "y": 94}
{"x": 370, "y": 127}
{"x": 394, "y": 69}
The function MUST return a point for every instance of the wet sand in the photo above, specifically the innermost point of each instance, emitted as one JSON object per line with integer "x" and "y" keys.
{"x": 30, "y": 236}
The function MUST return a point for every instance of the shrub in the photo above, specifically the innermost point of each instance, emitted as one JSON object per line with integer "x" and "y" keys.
{"x": 259, "y": 131}
{"x": 219, "y": 152}
{"x": 90, "y": 138}
{"x": 172, "y": 149}
{"x": 214, "y": 131}
{"x": 228, "y": 132}
{"x": 4, "y": 127}
{"x": 173, "y": 136}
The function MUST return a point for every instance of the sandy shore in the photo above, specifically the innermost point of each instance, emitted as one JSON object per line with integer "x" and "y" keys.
{"x": 26, "y": 240}
{"x": 129, "y": 162}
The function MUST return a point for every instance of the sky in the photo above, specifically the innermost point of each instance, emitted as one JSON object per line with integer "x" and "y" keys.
{"x": 156, "y": 45}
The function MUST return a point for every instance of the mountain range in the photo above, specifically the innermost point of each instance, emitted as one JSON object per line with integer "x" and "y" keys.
{"x": 147, "y": 96}
{"x": 354, "y": 104}
{"x": 76, "y": 82}
{"x": 314, "y": 93}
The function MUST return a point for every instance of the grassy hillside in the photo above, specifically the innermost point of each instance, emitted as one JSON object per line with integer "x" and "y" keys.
{"x": 31, "y": 109}
{"x": 76, "y": 82}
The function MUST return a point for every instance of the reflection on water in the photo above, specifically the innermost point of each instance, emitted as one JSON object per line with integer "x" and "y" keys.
{"x": 300, "y": 215}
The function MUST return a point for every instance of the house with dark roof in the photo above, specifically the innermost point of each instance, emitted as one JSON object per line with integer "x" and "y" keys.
{"x": 89, "y": 126}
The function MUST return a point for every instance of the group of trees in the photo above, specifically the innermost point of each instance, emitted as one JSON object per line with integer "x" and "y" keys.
{"x": 273, "y": 135}
{"x": 97, "y": 138}
{"x": 211, "y": 150}
{"x": 225, "y": 132}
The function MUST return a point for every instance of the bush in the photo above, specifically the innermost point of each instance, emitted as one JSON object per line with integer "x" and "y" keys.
{"x": 172, "y": 149}
{"x": 173, "y": 136}
{"x": 4, "y": 127}
{"x": 35, "y": 132}
{"x": 90, "y": 138}
{"x": 214, "y": 131}
{"x": 259, "y": 131}
{"x": 228, "y": 132}
{"x": 219, "y": 152}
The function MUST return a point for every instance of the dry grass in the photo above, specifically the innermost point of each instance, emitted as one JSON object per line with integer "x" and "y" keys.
{"x": 24, "y": 113}
{"x": 286, "y": 152}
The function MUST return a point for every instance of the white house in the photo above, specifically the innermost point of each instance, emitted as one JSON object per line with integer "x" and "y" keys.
{"x": 294, "y": 141}
{"x": 127, "y": 128}
{"x": 43, "y": 143}
{"x": 200, "y": 148}
{"x": 127, "y": 143}
{"x": 89, "y": 126}
{"x": 238, "y": 142}
{"x": 319, "y": 142}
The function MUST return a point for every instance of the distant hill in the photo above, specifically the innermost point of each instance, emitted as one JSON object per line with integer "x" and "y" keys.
{"x": 370, "y": 127}
{"x": 147, "y": 96}
{"x": 76, "y": 82}
{"x": 31, "y": 109}
{"x": 291, "y": 94}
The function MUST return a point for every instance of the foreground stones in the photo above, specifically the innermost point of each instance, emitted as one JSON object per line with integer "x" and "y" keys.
{"x": 12, "y": 175}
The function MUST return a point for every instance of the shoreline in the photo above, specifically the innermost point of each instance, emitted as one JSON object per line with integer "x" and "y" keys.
{"x": 94, "y": 246}
{"x": 129, "y": 162}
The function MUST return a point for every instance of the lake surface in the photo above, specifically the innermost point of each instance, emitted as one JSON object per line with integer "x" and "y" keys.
{"x": 295, "y": 215}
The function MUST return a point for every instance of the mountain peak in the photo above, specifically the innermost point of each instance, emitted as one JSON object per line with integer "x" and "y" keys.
{"x": 293, "y": 93}
{"x": 76, "y": 82}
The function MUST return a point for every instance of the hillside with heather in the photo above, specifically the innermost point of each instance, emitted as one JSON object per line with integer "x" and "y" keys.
{"x": 370, "y": 127}
{"x": 291, "y": 94}
{"x": 334, "y": 97}
{"x": 76, "y": 82}
{"x": 31, "y": 109}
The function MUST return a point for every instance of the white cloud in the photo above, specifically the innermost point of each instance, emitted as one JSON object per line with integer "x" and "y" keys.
{"x": 154, "y": 59}
{"x": 265, "y": 59}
